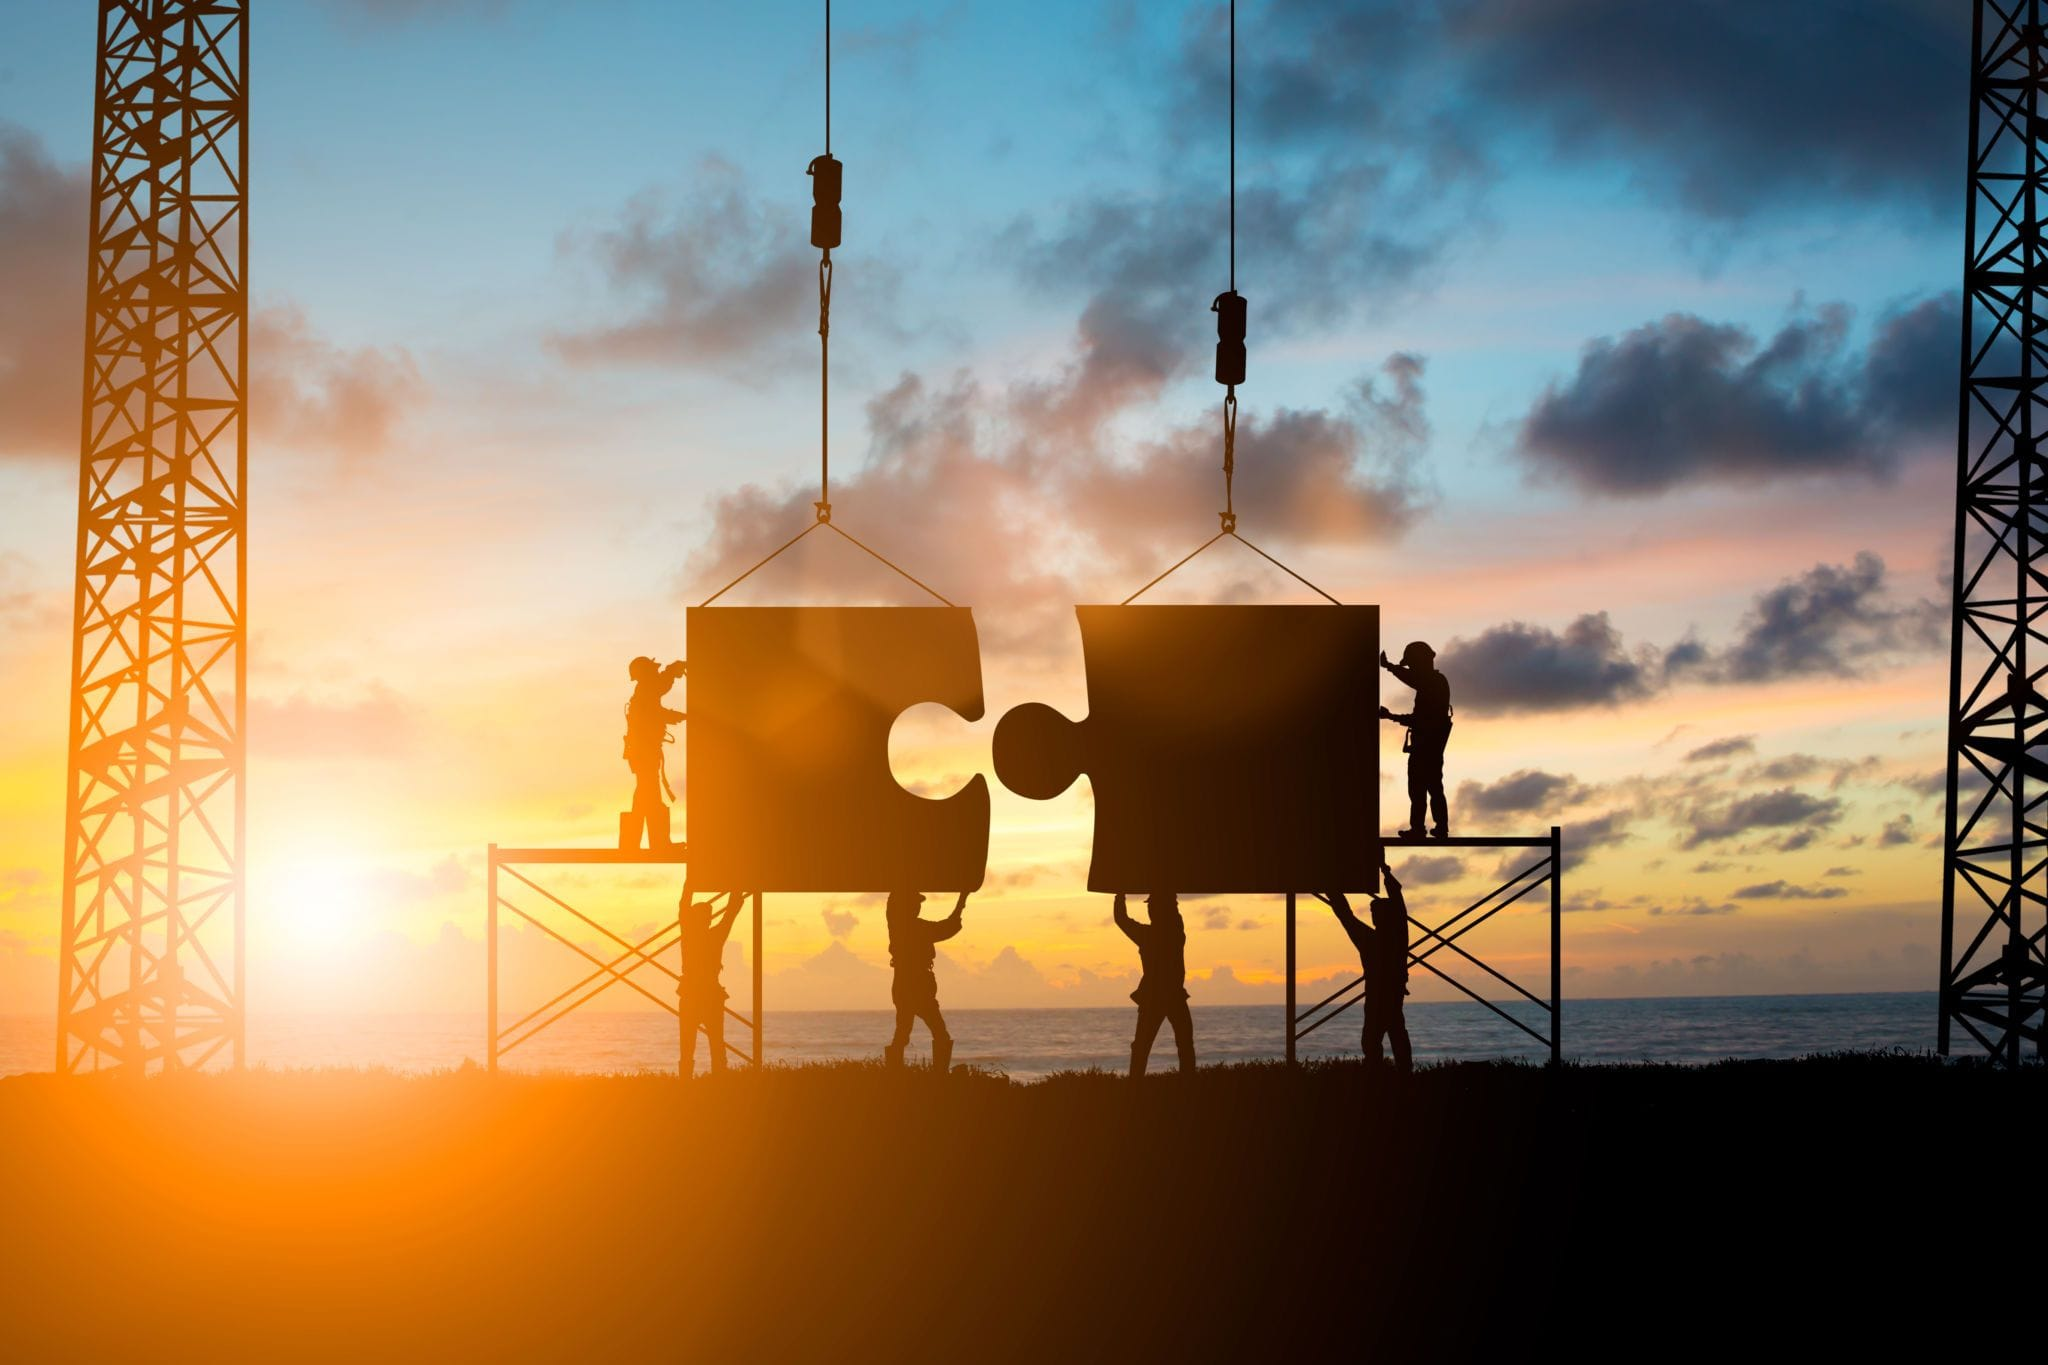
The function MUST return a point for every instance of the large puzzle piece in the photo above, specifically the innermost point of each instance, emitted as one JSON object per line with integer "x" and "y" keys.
{"x": 1230, "y": 749}
{"x": 789, "y": 783}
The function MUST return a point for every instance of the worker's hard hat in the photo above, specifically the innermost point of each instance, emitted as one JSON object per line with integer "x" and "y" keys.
{"x": 642, "y": 668}
{"x": 1418, "y": 653}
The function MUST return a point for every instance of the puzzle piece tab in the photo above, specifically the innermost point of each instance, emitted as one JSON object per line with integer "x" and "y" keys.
{"x": 789, "y": 784}
{"x": 1230, "y": 749}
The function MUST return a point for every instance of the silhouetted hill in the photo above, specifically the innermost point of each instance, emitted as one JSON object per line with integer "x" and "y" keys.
{"x": 847, "y": 1213}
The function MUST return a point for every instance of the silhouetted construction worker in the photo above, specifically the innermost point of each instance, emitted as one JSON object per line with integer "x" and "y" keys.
{"x": 1162, "y": 993}
{"x": 699, "y": 995}
{"x": 1383, "y": 957}
{"x": 1429, "y": 729}
{"x": 913, "y": 948}
{"x": 647, "y": 722}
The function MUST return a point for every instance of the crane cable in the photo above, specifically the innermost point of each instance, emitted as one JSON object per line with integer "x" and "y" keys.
{"x": 825, "y": 183}
{"x": 1230, "y": 316}
{"x": 826, "y": 173}
{"x": 1229, "y": 308}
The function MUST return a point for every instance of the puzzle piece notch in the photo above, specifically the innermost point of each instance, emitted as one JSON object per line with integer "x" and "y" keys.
{"x": 789, "y": 784}
{"x": 1229, "y": 749}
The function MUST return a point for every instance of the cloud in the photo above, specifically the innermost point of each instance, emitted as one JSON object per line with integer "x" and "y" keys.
{"x": 725, "y": 280}
{"x": 1791, "y": 768}
{"x": 1311, "y": 476}
{"x": 27, "y": 600}
{"x": 1520, "y": 667}
{"x": 1830, "y": 621}
{"x": 1723, "y": 112}
{"x": 1799, "y": 767}
{"x": 1784, "y": 808}
{"x": 1431, "y": 871}
{"x": 1733, "y": 109}
{"x": 1320, "y": 250}
{"x": 1683, "y": 401}
{"x": 303, "y": 391}
{"x": 1835, "y": 620}
{"x": 27, "y": 892}
{"x": 838, "y": 923}
{"x": 1358, "y": 188}
{"x": 1786, "y": 891}
{"x": 1722, "y": 748}
{"x": 404, "y": 887}
{"x": 833, "y": 978}
{"x": 378, "y": 724}
{"x": 1694, "y": 905}
{"x": 1896, "y": 832}
{"x": 1024, "y": 494}
{"x": 1520, "y": 792}
{"x": 1601, "y": 831}
{"x": 307, "y": 393}
{"x": 42, "y": 278}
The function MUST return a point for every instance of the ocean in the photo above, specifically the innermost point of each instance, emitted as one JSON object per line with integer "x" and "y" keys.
{"x": 1029, "y": 1044}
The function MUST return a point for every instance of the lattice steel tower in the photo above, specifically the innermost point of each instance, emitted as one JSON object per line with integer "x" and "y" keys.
{"x": 1995, "y": 891}
{"x": 151, "y": 963}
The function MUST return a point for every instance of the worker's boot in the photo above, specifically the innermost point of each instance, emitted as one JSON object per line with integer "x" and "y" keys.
{"x": 892, "y": 1056}
{"x": 657, "y": 830}
{"x": 1413, "y": 834}
{"x": 942, "y": 1056}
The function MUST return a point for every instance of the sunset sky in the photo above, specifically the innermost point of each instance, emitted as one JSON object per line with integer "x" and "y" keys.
{"x": 1608, "y": 346}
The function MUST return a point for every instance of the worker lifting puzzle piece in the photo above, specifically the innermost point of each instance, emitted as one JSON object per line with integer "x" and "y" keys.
{"x": 788, "y": 767}
{"x": 1230, "y": 749}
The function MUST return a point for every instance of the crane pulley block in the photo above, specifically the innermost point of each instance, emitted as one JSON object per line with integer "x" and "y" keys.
{"x": 825, "y": 174}
{"x": 1229, "y": 309}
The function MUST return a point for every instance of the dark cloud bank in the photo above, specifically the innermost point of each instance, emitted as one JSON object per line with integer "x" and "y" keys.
{"x": 1832, "y": 621}
{"x": 1684, "y": 401}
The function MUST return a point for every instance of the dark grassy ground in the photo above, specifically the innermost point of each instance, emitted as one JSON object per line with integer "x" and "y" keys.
{"x": 844, "y": 1213}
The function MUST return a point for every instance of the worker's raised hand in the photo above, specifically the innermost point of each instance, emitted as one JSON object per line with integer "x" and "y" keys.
{"x": 960, "y": 904}
{"x": 1384, "y": 661}
{"x": 1385, "y": 714}
{"x": 1118, "y": 905}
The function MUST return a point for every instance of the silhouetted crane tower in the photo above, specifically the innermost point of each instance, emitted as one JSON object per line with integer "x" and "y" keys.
{"x": 1994, "y": 908}
{"x": 150, "y": 967}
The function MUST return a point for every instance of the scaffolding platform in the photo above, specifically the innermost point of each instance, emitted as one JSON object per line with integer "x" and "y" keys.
{"x": 1433, "y": 940}
{"x": 620, "y": 969}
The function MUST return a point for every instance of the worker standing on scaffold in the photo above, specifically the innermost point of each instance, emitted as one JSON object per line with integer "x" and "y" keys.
{"x": 647, "y": 722}
{"x": 913, "y": 948}
{"x": 700, "y": 997}
{"x": 1429, "y": 730}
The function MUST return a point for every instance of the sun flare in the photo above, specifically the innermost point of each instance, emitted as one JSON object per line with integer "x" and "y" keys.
{"x": 318, "y": 907}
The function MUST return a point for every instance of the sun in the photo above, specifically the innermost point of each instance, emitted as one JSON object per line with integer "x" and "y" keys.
{"x": 318, "y": 906}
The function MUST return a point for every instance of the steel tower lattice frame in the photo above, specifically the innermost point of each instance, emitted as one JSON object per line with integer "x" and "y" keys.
{"x": 1995, "y": 884}
{"x": 150, "y": 972}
